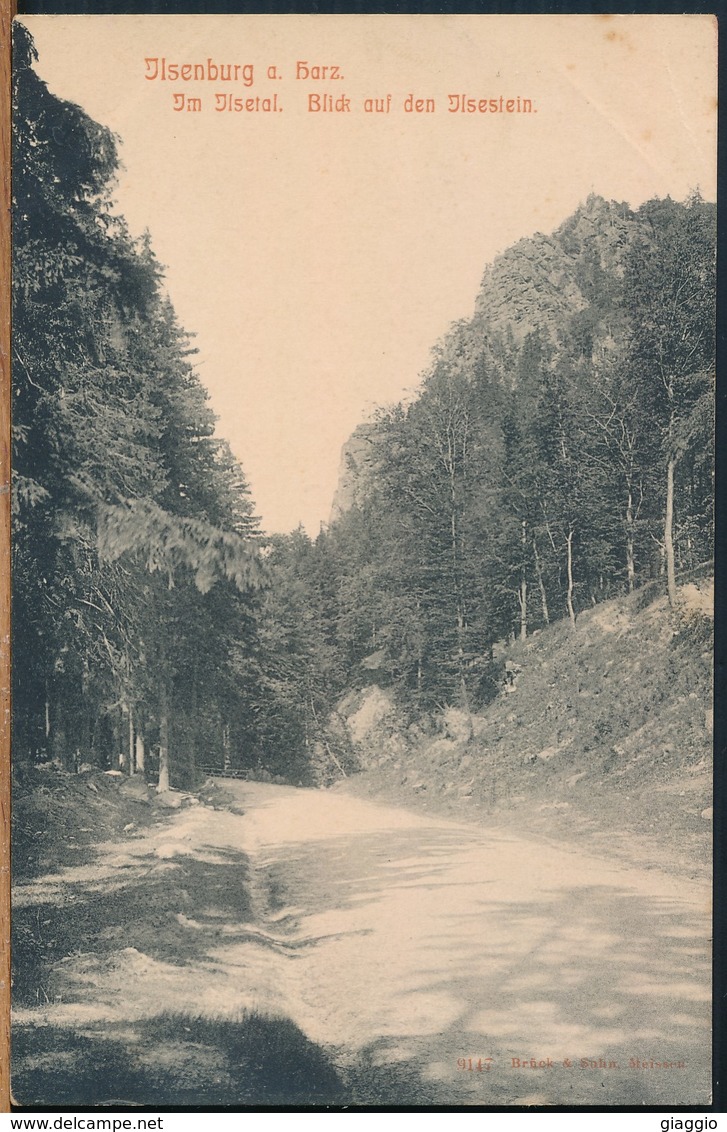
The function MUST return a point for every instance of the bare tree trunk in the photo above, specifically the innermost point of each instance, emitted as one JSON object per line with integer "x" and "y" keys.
{"x": 671, "y": 585}
{"x": 117, "y": 743}
{"x": 58, "y": 738}
{"x": 466, "y": 706}
{"x": 420, "y": 655}
{"x": 465, "y": 696}
{"x": 460, "y": 619}
{"x": 163, "y": 783}
{"x": 226, "y": 747}
{"x": 630, "y": 568}
{"x": 139, "y": 753}
{"x": 569, "y": 591}
{"x": 334, "y": 759}
{"x": 522, "y": 597}
{"x": 132, "y": 749}
{"x": 523, "y": 592}
{"x": 193, "y": 729}
{"x": 541, "y": 583}
{"x": 322, "y": 738}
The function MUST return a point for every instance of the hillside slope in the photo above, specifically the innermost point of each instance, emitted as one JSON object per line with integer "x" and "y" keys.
{"x": 603, "y": 731}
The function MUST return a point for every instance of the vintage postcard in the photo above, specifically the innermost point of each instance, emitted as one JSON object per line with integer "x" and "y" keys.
{"x": 363, "y": 395}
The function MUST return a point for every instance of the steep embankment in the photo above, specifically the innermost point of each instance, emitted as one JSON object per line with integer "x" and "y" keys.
{"x": 602, "y": 732}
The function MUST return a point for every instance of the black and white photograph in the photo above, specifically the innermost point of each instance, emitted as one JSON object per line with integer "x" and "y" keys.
{"x": 363, "y": 393}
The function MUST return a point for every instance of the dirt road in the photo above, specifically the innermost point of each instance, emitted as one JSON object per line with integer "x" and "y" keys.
{"x": 436, "y": 958}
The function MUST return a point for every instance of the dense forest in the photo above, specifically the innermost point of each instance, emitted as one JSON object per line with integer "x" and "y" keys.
{"x": 558, "y": 452}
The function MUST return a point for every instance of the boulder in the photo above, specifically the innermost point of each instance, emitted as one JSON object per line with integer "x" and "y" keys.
{"x": 169, "y": 799}
{"x": 136, "y": 787}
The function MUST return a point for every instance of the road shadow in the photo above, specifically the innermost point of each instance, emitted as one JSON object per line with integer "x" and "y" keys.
{"x": 173, "y": 1060}
{"x": 175, "y": 912}
{"x": 611, "y": 983}
{"x": 149, "y": 905}
{"x": 561, "y": 971}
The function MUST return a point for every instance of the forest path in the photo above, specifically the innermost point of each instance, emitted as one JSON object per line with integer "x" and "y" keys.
{"x": 415, "y": 942}
{"x": 406, "y": 944}
{"x": 424, "y": 941}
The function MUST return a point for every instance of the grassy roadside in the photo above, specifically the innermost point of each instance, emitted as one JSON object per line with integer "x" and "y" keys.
{"x": 91, "y": 895}
{"x": 173, "y": 1060}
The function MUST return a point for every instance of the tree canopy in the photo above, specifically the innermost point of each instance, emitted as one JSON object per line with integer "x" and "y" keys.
{"x": 559, "y": 451}
{"x": 137, "y": 564}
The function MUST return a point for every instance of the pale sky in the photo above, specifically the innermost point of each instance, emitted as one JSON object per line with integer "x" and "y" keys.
{"x": 318, "y": 256}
